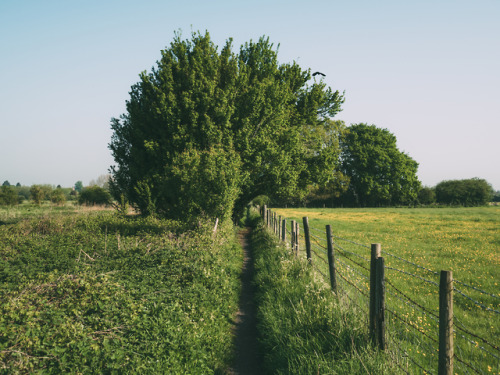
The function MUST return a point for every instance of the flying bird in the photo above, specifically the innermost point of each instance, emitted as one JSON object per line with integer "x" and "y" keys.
{"x": 316, "y": 73}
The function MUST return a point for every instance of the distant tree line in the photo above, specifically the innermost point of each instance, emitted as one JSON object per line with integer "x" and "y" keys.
{"x": 93, "y": 194}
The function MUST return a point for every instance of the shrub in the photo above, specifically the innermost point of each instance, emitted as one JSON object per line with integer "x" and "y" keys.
{"x": 94, "y": 195}
{"x": 8, "y": 196}
{"x": 57, "y": 196}
{"x": 427, "y": 195}
{"x": 470, "y": 192}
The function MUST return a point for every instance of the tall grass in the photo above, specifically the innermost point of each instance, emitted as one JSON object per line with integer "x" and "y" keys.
{"x": 463, "y": 240}
{"x": 304, "y": 328}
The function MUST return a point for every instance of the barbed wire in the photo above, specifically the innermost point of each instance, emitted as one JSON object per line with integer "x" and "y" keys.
{"x": 476, "y": 289}
{"x": 397, "y": 341}
{"x": 476, "y": 344}
{"x": 317, "y": 269}
{"x": 411, "y": 325}
{"x": 407, "y": 261}
{"x": 340, "y": 238}
{"x": 411, "y": 300}
{"x": 433, "y": 317}
{"x": 359, "y": 290}
{"x": 465, "y": 330}
{"x": 455, "y": 356}
{"x": 476, "y": 302}
{"x": 345, "y": 293}
{"x": 350, "y": 252}
{"x": 352, "y": 260}
{"x": 413, "y": 275}
{"x": 323, "y": 259}
{"x": 353, "y": 270}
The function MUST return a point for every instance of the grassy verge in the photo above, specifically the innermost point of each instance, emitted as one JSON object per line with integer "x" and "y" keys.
{"x": 463, "y": 240}
{"x": 303, "y": 327}
{"x": 97, "y": 293}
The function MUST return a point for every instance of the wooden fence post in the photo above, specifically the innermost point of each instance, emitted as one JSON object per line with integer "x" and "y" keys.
{"x": 283, "y": 231}
{"x": 380, "y": 302}
{"x": 264, "y": 214}
{"x": 445, "y": 366}
{"x": 331, "y": 258}
{"x": 292, "y": 239}
{"x": 297, "y": 238}
{"x": 278, "y": 227}
{"x": 375, "y": 253}
{"x": 307, "y": 238}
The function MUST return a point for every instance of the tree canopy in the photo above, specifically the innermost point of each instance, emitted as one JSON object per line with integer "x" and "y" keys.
{"x": 468, "y": 192}
{"x": 379, "y": 173}
{"x": 206, "y": 131}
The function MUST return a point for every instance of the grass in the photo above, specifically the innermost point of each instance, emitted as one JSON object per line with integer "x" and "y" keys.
{"x": 463, "y": 240}
{"x": 303, "y": 328}
{"x": 85, "y": 291}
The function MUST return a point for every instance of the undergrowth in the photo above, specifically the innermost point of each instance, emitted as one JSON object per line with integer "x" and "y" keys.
{"x": 100, "y": 293}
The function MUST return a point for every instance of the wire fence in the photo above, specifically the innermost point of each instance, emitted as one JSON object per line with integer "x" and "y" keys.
{"x": 411, "y": 303}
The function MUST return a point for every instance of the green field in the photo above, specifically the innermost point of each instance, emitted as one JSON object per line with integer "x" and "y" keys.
{"x": 463, "y": 240}
{"x": 89, "y": 291}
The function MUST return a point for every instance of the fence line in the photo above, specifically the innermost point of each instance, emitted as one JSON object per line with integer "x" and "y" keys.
{"x": 315, "y": 243}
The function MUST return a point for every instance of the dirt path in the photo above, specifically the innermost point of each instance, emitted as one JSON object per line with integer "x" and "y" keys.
{"x": 247, "y": 360}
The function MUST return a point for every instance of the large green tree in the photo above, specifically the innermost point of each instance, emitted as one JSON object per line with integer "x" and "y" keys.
{"x": 379, "y": 173}
{"x": 206, "y": 131}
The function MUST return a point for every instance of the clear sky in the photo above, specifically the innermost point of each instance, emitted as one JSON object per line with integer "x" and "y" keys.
{"x": 429, "y": 71}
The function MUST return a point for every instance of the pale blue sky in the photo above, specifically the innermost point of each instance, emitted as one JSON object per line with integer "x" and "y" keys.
{"x": 429, "y": 71}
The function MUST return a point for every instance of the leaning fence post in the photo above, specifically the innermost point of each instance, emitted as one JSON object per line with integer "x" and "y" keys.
{"x": 380, "y": 302}
{"x": 445, "y": 366}
{"x": 375, "y": 253}
{"x": 307, "y": 238}
{"x": 283, "y": 231}
{"x": 331, "y": 258}
{"x": 292, "y": 239}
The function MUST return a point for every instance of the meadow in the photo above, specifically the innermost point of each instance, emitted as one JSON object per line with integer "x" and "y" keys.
{"x": 90, "y": 291}
{"x": 417, "y": 244}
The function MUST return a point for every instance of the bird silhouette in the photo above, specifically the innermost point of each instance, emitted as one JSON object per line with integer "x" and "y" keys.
{"x": 319, "y": 73}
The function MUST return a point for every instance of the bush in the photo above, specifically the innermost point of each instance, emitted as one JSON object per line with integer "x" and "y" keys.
{"x": 94, "y": 195}
{"x": 8, "y": 196}
{"x": 470, "y": 192}
{"x": 57, "y": 196}
{"x": 427, "y": 195}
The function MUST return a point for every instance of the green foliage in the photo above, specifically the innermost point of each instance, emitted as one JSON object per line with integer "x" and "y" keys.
{"x": 110, "y": 294}
{"x": 427, "y": 195}
{"x": 304, "y": 328}
{"x": 8, "y": 196}
{"x": 379, "y": 173}
{"x": 6, "y": 183}
{"x": 58, "y": 196}
{"x": 94, "y": 195}
{"x": 470, "y": 192}
{"x": 496, "y": 196}
{"x": 199, "y": 102}
{"x": 78, "y": 186}
{"x": 37, "y": 193}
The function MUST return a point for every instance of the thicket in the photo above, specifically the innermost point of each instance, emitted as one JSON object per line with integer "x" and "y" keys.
{"x": 108, "y": 294}
{"x": 469, "y": 192}
{"x": 94, "y": 195}
{"x": 304, "y": 328}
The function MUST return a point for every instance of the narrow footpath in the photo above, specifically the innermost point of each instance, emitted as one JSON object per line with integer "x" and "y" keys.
{"x": 247, "y": 360}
